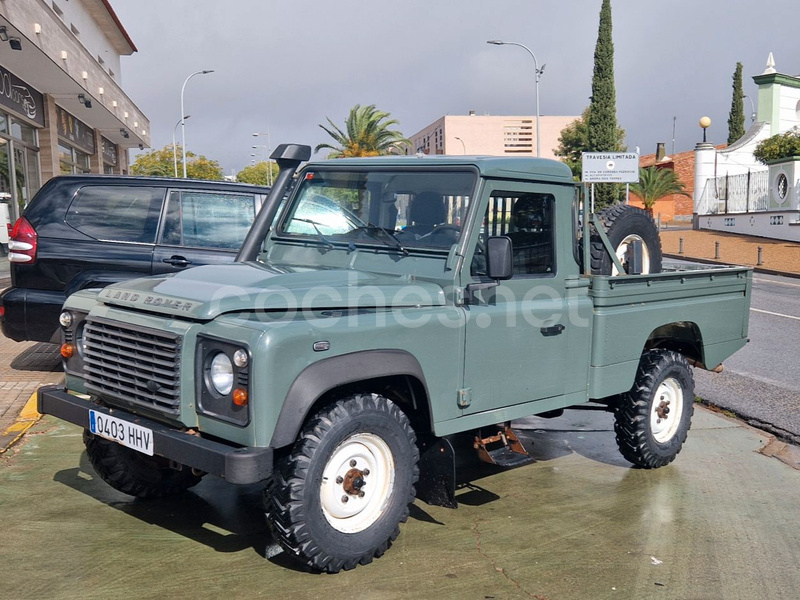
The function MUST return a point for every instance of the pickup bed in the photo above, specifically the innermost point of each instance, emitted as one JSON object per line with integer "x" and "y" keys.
{"x": 392, "y": 302}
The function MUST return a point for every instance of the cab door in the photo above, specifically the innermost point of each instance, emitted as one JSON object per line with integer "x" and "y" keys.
{"x": 517, "y": 334}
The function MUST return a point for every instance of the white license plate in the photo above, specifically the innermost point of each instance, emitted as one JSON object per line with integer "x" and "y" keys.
{"x": 123, "y": 432}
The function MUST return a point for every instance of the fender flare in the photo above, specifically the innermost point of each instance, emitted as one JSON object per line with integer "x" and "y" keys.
{"x": 326, "y": 374}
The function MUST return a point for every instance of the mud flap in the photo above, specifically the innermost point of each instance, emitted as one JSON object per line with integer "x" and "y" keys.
{"x": 437, "y": 473}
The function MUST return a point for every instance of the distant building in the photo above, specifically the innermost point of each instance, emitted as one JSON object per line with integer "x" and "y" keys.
{"x": 724, "y": 181}
{"x": 674, "y": 207}
{"x": 490, "y": 135}
{"x": 62, "y": 106}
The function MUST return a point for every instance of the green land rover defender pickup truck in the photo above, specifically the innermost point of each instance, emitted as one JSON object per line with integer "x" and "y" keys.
{"x": 386, "y": 304}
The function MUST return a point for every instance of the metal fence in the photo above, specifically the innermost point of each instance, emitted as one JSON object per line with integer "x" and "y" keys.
{"x": 748, "y": 192}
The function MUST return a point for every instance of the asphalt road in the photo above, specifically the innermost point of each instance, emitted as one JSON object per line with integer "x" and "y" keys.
{"x": 760, "y": 382}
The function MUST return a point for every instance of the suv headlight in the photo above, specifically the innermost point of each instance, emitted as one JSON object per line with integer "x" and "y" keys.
{"x": 220, "y": 373}
{"x": 223, "y": 380}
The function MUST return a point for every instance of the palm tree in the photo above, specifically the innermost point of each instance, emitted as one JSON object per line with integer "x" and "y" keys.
{"x": 655, "y": 183}
{"x": 367, "y": 134}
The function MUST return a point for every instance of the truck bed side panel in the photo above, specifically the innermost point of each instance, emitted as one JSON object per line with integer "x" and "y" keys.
{"x": 628, "y": 310}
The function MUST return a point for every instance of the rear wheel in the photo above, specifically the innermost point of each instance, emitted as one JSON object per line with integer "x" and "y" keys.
{"x": 653, "y": 419}
{"x": 134, "y": 473}
{"x": 625, "y": 225}
{"x": 338, "y": 498}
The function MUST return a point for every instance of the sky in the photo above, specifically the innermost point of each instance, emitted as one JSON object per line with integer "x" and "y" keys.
{"x": 286, "y": 66}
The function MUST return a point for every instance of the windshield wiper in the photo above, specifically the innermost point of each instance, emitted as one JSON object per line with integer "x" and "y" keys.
{"x": 388, "y": 235}
{"x": 326, "y": 241}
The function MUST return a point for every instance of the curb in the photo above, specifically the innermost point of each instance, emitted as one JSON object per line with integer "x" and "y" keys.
{"x": 707, "y": 261}
{"x": 28, "y": 417}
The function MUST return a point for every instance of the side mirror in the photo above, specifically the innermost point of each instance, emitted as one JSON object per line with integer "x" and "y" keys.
{"x": 499, "y": 265}
{"x": 499, "y": 261}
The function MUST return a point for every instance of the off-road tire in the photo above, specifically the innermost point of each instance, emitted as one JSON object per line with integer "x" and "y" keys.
{"x": 651, "y": 434}
{"x": 134, "y": 473}
{"x": 624, "y": 223}
{"x": 304, "y": 499}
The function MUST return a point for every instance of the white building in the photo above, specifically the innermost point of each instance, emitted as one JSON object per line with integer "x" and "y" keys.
{"x": 733, "y": 192}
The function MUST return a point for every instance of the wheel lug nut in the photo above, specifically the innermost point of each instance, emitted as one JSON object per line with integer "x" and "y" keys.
{"x": 366, "y": 472}
{"x": 360, "y": 494}
{"x": 353, "y": 463}
{"x": 345, "y": 498}
{"x": 339, "y": 480}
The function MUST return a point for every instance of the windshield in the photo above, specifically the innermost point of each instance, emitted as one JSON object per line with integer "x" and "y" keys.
{"x": 396, "y": 208}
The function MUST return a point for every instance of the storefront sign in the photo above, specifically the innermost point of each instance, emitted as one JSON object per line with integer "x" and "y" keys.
{"x": 109, "y": 152}
{"x": 18, "y": 96}
{"x": 75, "y": 131}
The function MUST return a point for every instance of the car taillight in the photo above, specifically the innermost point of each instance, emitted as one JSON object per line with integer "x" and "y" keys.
{"x": 22, "y": 242}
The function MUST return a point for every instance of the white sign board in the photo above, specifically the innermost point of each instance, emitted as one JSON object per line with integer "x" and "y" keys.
{"x": 610, "y": 167}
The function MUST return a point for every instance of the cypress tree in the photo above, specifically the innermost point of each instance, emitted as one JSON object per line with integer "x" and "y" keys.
{"x": 603, "y": 132}
{"x": 736, "y": 117}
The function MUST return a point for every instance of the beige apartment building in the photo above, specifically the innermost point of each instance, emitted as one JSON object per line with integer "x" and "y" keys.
{"x": 490, "y": 135}
{"x": 62, "y": 105}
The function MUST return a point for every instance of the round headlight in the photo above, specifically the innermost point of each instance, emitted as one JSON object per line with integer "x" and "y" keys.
{"x": 221, "y": 374}
{"x": 65, "y": 318}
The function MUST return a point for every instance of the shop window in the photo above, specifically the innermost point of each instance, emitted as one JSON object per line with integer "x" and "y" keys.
{"x": 23, "y": 131}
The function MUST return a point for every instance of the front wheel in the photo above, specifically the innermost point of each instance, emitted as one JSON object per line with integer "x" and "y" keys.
{"x": 338, "y": 498}
{"x": 653, "y": 419}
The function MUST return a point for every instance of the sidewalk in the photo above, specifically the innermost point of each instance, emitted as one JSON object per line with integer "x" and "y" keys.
{"x": 778, "y": 256}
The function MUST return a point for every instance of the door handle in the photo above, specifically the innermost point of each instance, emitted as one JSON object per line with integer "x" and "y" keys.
{"x": 554, "y": 330}
{"x": 177, "y": 261}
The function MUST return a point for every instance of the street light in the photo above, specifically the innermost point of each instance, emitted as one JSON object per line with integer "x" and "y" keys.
{"x": 269, "y": 161}
{"x": 174, "y": 147}
{"x": 538, "y": 73}
{"x": 752, "y": 108}
{"x": 183, "y": 119}
{"x": 463, "y": 145}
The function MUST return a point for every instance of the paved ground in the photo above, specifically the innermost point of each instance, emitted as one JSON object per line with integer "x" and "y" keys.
{"x": 720, "y": 522}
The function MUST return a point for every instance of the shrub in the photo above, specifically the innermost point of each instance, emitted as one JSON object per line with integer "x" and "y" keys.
{"x": 783, "y": 145}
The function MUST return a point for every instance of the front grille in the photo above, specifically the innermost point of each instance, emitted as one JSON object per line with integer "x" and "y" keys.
{"x": 133, "y": 364}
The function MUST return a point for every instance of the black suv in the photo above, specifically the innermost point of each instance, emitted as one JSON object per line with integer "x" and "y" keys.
{"x": 87, "y": 231}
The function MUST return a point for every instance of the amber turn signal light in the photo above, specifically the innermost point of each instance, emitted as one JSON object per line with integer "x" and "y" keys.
{"x": 240, "y": 397}
{"x": 67, "y": 350}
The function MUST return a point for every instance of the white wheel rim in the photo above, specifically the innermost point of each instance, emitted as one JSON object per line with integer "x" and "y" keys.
{"x": 622, "y": 249}
{"x": 348, "y": 504}
{"x": 666, "y": 411}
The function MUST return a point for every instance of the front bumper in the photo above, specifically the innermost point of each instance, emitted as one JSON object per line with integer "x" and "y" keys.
{"x": 234, "y": 464}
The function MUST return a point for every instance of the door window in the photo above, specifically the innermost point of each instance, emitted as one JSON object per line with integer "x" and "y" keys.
{"x": 527, "y": 219}
{"x": 116, "y": 213}
{"x": 207, "y": 219}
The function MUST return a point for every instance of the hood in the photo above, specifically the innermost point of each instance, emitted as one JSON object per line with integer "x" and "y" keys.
{"x": 203, "y": 293}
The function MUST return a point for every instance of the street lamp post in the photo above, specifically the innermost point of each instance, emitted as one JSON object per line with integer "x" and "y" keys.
{"x": 538, "y": 73}
{"x": 174, "y": 147}
{"x": 463, "y": 145}
{"x": 269, "y": 160}
{"x": 183, "y": 118}
{"x": 752, "y": 109}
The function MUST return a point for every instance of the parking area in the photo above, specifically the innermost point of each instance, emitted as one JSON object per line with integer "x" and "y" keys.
{"x": 720, "y": 522}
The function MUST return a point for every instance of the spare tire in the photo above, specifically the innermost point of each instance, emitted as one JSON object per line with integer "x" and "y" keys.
{"x": 624, "y": 225}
